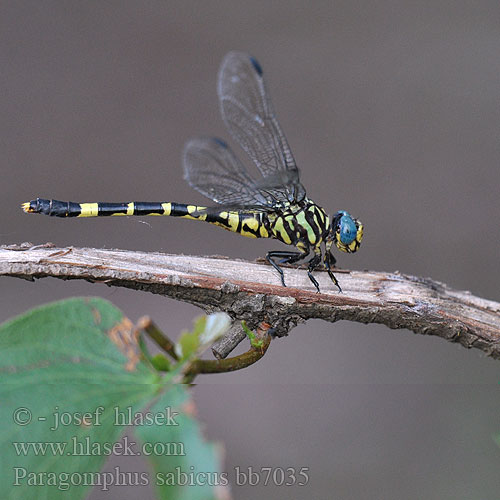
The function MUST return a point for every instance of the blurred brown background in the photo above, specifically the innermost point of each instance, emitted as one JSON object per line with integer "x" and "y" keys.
{"x": 392, "y": 110}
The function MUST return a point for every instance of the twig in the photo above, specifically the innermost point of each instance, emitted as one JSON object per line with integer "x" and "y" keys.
{"x": 231, "y": 364}
{"x": 226, "y": 344}
{"x": 259, "y": 343}
{"x": 146, "y": 324}
{"x": 251, "y": 291}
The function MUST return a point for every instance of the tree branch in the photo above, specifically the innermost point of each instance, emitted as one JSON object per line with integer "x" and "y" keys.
{"x": 252, "y": 292}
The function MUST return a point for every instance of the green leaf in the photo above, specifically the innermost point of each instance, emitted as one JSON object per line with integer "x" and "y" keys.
{"x": 185, "y": 466}
{"x": 74, "y": 376}
{"x": 254, "y": 341}
{"x": 65, "y": 369}
{"x": 189, "y": 341}
{"x": 161, "y": 363}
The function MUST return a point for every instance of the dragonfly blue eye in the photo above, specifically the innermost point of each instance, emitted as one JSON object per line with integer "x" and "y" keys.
{"x": 347, "y": 228}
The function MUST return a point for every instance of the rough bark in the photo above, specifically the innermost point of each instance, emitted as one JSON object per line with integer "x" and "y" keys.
{"x": 251, "y": 291}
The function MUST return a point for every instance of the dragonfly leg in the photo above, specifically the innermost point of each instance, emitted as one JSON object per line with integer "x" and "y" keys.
{"x": 330, "y": 261}
{"x": 312, "y": 265}
{"x": 285, "y": 258}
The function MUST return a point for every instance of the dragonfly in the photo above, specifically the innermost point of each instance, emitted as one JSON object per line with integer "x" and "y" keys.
{"x": 272, "y": 204}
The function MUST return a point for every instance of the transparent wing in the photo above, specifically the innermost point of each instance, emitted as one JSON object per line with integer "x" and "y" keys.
{"x": 212, "y": 169}
{"x": 249, "y": 116}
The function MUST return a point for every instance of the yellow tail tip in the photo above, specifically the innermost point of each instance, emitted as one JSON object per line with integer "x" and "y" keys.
{"x": 26, "y": 207}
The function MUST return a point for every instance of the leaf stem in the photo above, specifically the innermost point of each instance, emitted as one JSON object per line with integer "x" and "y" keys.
{"x": 261, "y": 340}
{"x": 147, "y": 325}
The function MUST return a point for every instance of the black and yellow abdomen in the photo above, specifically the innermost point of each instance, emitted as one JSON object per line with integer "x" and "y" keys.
{"x": 247, "y": 224}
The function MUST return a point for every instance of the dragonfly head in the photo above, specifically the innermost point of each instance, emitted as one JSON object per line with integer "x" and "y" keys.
{"x": 346, "y": 232}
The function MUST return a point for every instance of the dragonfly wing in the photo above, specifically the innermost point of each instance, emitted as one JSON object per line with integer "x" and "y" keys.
{"x": 212, "y": 169}
{"x": 249, "y": 116}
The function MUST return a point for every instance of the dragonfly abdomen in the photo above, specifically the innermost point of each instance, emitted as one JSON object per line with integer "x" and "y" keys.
{"x": 56, "y": 208}
{"x": 247, "y": 224}
{"x": 251, "y": 225}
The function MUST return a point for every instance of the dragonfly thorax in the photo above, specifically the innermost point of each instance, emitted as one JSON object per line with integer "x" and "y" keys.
{"x": 303, "y": 224}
